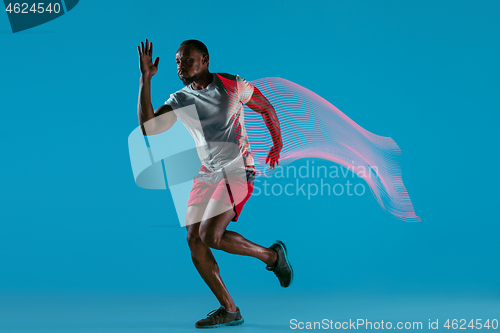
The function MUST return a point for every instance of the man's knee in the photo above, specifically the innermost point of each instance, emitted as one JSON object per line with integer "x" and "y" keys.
{"x": 210, "y": 238}
{"x": 193, "y": 236}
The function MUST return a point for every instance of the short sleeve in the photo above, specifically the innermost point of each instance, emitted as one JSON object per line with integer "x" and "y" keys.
{"x": 172, "y": 101}
{"x": 245, "y": 89}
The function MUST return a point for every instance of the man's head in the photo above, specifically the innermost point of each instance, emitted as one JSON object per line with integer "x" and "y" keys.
{"x": 192, "y": 61}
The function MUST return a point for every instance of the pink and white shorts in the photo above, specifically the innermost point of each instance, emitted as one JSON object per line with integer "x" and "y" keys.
{"x": 233, "y": 187}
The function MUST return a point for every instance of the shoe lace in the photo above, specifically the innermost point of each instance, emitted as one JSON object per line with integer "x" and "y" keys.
{"x": 276, "y": 271}
{"x": 270, "y": 268}
{"x": 215, "y": 313}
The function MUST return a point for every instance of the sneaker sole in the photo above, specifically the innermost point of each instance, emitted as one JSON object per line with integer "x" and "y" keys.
{"x": 231, "y": 323}
{"x": 280, "y": 243}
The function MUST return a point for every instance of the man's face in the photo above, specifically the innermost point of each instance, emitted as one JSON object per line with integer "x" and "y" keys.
{"x": 190, "y": 64}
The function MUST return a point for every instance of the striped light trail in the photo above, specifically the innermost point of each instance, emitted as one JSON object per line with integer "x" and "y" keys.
{"x": 311, "y": 127}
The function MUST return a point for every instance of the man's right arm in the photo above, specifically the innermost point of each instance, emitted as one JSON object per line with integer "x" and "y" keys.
{"x": 151, "y": 122}
{"x": 163, "y": 118}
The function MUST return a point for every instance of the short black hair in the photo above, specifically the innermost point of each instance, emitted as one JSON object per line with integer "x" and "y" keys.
{"x": 199, "y": 46}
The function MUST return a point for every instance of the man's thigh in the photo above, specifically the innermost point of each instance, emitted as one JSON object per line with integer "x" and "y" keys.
{"x": 214, "y": 212}
{"x": 194, "y": 216}
{"x": 216, "y": 218}
{"x": 217, "y": 209}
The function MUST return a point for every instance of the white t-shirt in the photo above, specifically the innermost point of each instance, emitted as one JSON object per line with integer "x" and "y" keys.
{"x": 218, "y": 126}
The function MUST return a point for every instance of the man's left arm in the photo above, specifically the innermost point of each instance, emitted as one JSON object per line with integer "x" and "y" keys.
{"x": 260, "y": 104}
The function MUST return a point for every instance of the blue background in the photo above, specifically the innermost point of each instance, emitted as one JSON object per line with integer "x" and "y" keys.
{"x": 425, "y": 73}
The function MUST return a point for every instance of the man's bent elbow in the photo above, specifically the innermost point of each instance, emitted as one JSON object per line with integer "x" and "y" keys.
{"x": 158, "y": 125}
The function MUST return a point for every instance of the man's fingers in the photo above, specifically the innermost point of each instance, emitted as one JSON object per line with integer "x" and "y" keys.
{"x": 151, "y": 49}
{"x": 142, "y": 47}
{"x": 273, "y": 157}
{"x": 157, "y": 61}
{"x": 139, "y": 50}
{"x": 146, "y": 49}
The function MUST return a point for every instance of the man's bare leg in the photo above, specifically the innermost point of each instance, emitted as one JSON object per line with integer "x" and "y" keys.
{"x": 211, "y": 232}
{"x": 214, "y": 234}
{"x": 202, "y": 256}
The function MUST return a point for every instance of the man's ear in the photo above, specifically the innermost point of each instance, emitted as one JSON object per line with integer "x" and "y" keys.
{"x": 205, "y": 59}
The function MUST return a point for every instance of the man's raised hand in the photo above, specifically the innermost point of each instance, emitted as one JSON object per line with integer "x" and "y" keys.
{"x": 147, "y": 67}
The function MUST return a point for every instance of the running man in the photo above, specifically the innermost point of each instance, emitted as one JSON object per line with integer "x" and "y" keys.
{"x": 225, "y": 180}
